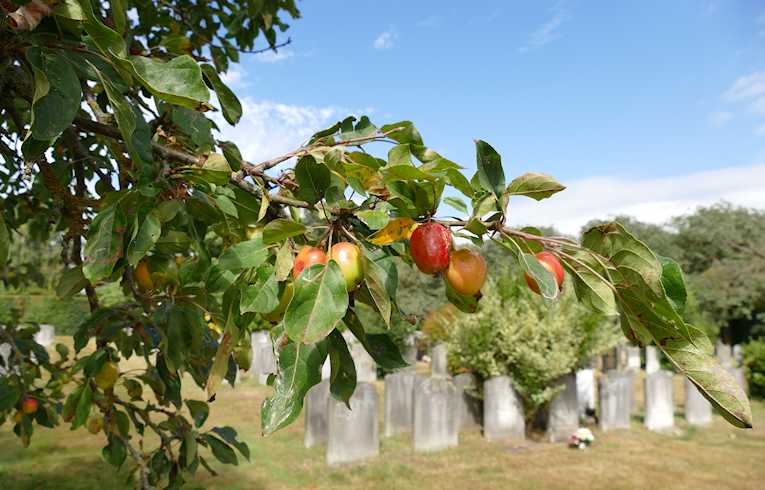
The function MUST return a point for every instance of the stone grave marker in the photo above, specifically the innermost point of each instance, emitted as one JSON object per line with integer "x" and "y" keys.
{"x": 410, "y": 351}
{"x": 46, "y": 335}
{"x": 435, "y": 414}
{"x": 738, "y": 375}
{"x": 353, "y": 435}
{"x": 724, "y": 354}
{"x": 399, "y": 396}
{"x": 438, "y": 362}
{"x": 651, "y": 359}
{"x": 366, "y": 367}
{"x": 502, "y": 410}
{"x": 615, "y": 400}
{"x": 563, "y": 411}
{"x": 698, "y": 411}
{"x": 659, "y": 401}
{"x": 585, "y": 390}
{"x": 470, "y": 409}
{"x": 316, "y": 401}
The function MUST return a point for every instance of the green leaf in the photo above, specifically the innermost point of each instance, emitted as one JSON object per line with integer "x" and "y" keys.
{"x": 83, "y": 407}
{"x": 299, "y": 370}
{"x": 534, "y": 185}
{"x": 8, "y": 395}
{"x": 104, "y": 244}
{"x": 647, "y": 314}
{"x": 548, "y": 287}
{"x": 313, "y": 178}
{"x": 459, "y": 182}
{"x": 147, "y": 236}
{"x": 118, "y": 14}
{"x": 674, "y": 284}
{"x": 490, "y": 173}
{"x": 342, "y": 380}
{"x": 374, "y": 277}
{"x": 319, "y": 303}
{"x": 126, "y": 118}
{"x": 468, "y": 304}
{"x": 220, "y": 364}
{"x": 199, "y": 411}
{"x": 71, "y": 282}
{"x": 244, "y": 255}
{"x": 229, "y": 435}
{"x": 380, "y": 346}
{"x": 284, "y": 262}
{"x": 374, "y": 219}
{"x": 232, "y": 108}
{"x": 280, "y": 229}
{"x": 108, "y": 41}
{"x": 400, "y": 155}
{"x": 263, "y": 296}
{"x": 5, "y": 242}
{"x": 178, "y": 81}
{"x": 221, "y": 450}
{"x": 69, "y": 9}
{"x": 457, "y": 204}
{"x": 57, "y": 94}
{"x": 403, "y": 132}
{"x": 115, "y": 452}
{"x": 589, "y": 286}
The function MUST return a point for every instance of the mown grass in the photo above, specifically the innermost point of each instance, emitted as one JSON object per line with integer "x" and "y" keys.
{"x": 715, "y": 457}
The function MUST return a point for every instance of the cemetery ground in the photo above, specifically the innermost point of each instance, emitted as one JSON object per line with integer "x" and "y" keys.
{"x": 718, "y": 456}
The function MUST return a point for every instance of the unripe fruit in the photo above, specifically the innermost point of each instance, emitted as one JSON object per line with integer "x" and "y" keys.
{"x": 276, "y": 315}
{"x": 107, "y": 375}
{"x": 348, "y": 257}
{"x": 550, "y": 262}
{"x": 142, "y": 276}
{"x": 95, "y": 424}
{"x": 243, "y": 357}
{"x": 18, "y": 416}
{"x": 466, "y": 272}
{"x": 429, "y": 246}
{"x": 29, "y": 406}
{"x": 307, "y": 257}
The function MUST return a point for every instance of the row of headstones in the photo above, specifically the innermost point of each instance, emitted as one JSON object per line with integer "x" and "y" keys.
{"x": 45, "y": 336}
{"x": 628, "y": 357}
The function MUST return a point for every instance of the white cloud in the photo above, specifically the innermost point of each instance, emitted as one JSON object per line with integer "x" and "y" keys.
{"x": 272, "y": 56}
{"x": 234, "y": 78}
{"x": 649, "y": 200}
{"x": 747, "y": 87}
{"x": 268, "y": 129}
{"x": 385, "y": 40}
{"x": 550, "y": 30}
{"x": 720, "y": 118}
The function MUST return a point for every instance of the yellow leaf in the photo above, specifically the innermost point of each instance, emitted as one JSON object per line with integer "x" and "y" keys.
{"x": 397, "y": 229}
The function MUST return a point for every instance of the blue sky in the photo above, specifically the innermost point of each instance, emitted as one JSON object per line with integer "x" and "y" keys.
{"x": 648, "y": 107}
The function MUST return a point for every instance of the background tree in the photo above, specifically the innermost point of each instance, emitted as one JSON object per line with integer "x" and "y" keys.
{"x": 106, "y": 140}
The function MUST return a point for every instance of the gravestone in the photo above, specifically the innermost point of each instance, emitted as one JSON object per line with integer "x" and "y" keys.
{"x": 316, "y": 401}
{"x": 615, "y": 400}
{"x": 659, "y": 401}
{"x": 435, "y": 414}
{"x": 585, "y": 390}
{"x": 469, "y": 407}
{"x": 724, "y": 355}
{"x": 633, "y": 358}
{"x": 326, "y": 369}
{"x": 563, "y": 411}
{"x": 438, "y": 362}
{"x": 610, "y": 360}
{"x": 353, "y": 435}
{"x": 698, "y": 411}
{"x": 46, "y": 335}
{"x": 399, "y": 408}
{"x": 738, "y": 355}
{"x": 738, "y": 375}
{"x": 366, "y": 367}
{"x": 263, "y": 359}
{"x": 651, "y": 359}
{"x": 410, "y": 351}
{"x": 502, "y": 410}
{"x": 5, "y": 355}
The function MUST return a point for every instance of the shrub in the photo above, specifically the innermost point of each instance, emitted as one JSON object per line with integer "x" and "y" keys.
{"x": 754, "y": 363}
{"x": 514, "y": 333}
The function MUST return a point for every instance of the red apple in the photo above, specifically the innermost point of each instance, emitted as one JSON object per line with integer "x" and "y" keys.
{"x": 29, "y": 406}
{"x": 550, "y": 262}
{"x": 466, "y": 272}
{"x": 348, "y": 257}
{"x": 429, "y": 246}
{"x": 307, "y": 257}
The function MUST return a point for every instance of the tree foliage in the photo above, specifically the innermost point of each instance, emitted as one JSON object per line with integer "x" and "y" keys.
{"x": 108, "y": 143}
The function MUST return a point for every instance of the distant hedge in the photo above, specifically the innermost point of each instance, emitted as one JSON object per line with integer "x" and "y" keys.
{"x": 64, "y": 315}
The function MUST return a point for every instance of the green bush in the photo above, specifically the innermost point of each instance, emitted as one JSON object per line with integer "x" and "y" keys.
{"x": 65, "y": 315}
{"x": 754, "y": 363}
{"x": 514, "y": 333}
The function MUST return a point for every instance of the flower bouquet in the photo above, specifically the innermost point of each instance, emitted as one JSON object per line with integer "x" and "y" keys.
{"x": 581, "y": 439}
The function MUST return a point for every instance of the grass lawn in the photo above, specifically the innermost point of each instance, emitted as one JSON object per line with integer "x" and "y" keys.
{"x": 716, "y": 457}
